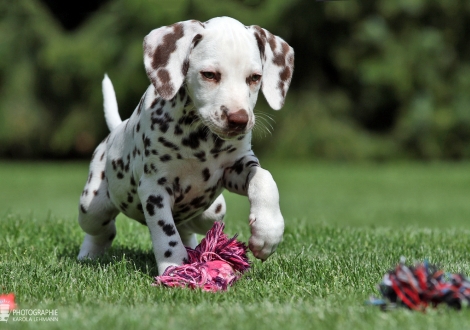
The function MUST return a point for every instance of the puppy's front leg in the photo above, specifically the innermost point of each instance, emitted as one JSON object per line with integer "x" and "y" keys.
{"x": 246, "y": 177}
{"x": 266, "y": 220}
{"x": 167, "y": 245}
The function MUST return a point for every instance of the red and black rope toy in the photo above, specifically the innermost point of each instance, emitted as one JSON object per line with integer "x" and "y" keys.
{"x": 422, "y": 285}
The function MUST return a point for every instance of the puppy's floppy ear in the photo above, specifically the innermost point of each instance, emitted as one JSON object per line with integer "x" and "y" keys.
{"x": 166, "y": 52}
{"x": 278, "y": 65}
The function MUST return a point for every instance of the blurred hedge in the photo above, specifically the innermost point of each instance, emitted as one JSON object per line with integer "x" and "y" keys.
{"x": 374, "y": 79}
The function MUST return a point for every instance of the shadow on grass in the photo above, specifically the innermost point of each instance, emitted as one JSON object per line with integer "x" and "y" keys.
{"x": 142, "y": 261}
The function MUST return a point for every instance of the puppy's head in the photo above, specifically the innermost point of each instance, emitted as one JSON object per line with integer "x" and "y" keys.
{"x": 224, "y": 64}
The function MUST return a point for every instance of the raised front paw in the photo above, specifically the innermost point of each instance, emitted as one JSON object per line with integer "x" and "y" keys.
{"x": 267, "y": 228}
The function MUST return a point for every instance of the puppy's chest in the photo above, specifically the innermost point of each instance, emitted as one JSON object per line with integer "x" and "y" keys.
{"x": 191, "y": 177}
{"x": 192, "y": 188}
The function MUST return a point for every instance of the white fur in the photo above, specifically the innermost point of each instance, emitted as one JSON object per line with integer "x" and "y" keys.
{"x": 110, "y": 106}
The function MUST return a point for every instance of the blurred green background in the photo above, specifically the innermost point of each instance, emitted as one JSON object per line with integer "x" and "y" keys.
{"x": 374, "y": 79}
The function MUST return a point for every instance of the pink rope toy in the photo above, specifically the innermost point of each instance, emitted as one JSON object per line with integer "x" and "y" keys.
{"x": 214, "y": 265}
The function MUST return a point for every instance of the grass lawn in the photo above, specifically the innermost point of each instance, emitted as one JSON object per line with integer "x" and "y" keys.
{"x": 346, "y": 225}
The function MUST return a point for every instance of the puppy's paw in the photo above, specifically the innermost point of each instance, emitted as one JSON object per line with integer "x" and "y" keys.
{"x": 90, "y": 250}
{"x": 267, "y": 228}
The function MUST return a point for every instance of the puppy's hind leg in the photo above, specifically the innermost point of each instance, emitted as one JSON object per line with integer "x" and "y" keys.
{"x": 99, "y": 235}
{"x": 97, "y": 213}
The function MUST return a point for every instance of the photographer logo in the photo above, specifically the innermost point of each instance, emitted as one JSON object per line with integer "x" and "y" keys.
{"x": 4, "y": 311}
{"x": 9, "y": 312}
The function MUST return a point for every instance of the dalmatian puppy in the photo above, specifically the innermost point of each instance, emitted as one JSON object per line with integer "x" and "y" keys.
{"x": 189, "y": 139}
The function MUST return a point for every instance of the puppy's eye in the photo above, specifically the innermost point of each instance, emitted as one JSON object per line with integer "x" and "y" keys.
{"x": 255, "y": 78}
{"x": 208, "y": 75}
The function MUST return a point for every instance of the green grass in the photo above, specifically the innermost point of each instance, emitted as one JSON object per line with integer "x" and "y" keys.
{"x": 346, "y": 225}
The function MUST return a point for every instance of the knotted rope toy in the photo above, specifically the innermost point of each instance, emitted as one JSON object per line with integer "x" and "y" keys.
{"x": 214, "y": 265}
{"x": 416, "y": 287}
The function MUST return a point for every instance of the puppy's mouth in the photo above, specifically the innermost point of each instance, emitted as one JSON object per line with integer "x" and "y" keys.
{"x": 228, "y": 131}
{"x": 228, "y": 134}
{"x": 232, "y": 134}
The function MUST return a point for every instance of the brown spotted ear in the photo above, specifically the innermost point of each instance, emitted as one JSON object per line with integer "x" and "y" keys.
{"x": 166, "y": 52}
{"x": 278, "y": 66}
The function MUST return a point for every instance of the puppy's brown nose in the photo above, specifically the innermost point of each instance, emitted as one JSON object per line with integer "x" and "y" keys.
{"x": 238, "y": 119}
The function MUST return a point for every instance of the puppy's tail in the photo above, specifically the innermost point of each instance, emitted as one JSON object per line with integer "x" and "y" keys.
{"x": 111, "y": 113}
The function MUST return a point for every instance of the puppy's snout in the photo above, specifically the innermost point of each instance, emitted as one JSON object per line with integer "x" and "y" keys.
{"x": 238, "y": 119}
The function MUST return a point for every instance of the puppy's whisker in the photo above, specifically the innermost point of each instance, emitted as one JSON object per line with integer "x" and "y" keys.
{"x": 262, "y": 124}
{"x": 260, "y": 130}
{"x": 207, "y": 131}
{"x": 265, "y": 116}
{"x": 195, "y": 123}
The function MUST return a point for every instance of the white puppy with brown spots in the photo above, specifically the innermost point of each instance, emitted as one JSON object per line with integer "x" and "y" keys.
{"x": 188, "y": 140}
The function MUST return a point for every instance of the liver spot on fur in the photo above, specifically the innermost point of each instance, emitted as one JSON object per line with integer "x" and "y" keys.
{"x": 163, "y": 52}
